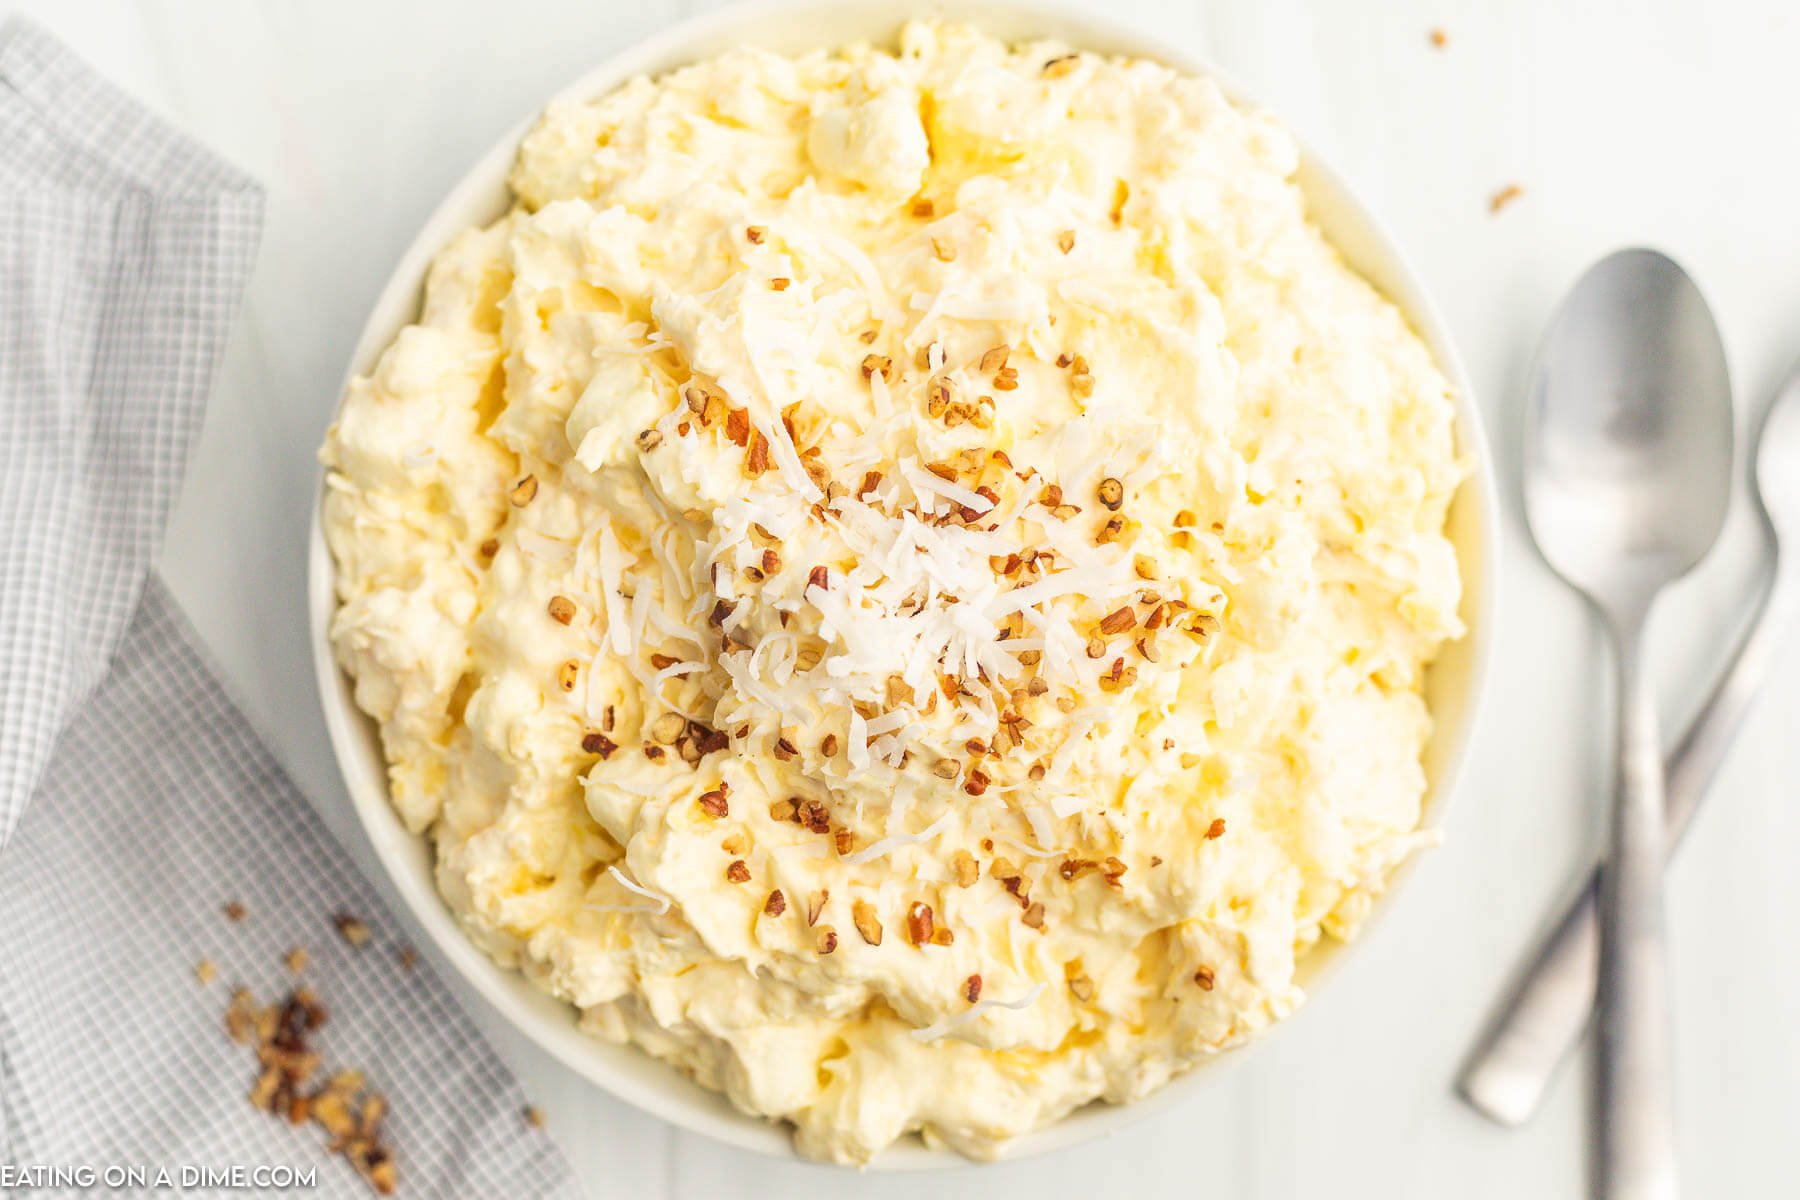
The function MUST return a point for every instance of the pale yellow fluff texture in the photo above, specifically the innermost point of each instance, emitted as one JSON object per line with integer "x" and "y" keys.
{"x": 1159, "y": 830}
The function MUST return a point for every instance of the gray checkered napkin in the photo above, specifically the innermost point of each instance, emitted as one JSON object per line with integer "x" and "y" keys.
{"x": 135, "y": 802}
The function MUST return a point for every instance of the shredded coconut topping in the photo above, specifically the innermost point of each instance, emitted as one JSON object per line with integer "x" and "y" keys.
{"x": 931, "y": 1033}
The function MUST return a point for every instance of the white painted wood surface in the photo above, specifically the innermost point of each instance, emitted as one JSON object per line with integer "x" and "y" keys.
{"x": 1675, "y": 124}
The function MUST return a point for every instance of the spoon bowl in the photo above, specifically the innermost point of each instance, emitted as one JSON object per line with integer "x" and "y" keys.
{"x": 1628, "y": 439}
{"x": 1776, "y": 468}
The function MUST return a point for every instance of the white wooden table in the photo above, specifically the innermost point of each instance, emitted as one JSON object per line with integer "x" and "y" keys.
{"x": 1676, "y": 124}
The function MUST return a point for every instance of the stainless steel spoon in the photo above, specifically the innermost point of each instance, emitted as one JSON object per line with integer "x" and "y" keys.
{"x": 1544, "y": 1017}
{"x": 1627, "y": 478}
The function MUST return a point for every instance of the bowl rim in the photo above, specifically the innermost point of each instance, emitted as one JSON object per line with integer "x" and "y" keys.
{"x": 406, "y": 857}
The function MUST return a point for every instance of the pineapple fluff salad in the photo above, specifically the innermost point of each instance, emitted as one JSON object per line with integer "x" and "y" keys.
{"x": 898, "y": 580}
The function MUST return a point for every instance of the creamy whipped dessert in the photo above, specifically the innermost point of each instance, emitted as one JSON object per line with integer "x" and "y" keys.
{"x": 898, "y": 581}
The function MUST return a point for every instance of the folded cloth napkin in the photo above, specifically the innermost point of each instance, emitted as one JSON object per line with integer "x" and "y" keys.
{"x": 136, "y": 805}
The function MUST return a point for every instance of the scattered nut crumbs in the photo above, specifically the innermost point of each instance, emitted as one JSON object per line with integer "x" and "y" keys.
{"x": 296, "y": 960}
{"x": 1204, "y": 977}
{"x": 738, "y": 872}
{"x": 1216, "y": 829}
{"x": 971, "y": 988}
{"x": 776, "y": 904}
{"x": 206, "y": 971}
{"x": 351, "y": 929}
{"x": 562, "y": 609}
{"x": 1504, "y": 197}
{"x": 342, "y": 1105}
{"x": 235, "y": 911}
{"x": 534, "y": 1116}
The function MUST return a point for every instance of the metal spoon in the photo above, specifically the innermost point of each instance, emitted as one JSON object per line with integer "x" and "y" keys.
{"x": 1627, "y": 477}
{"x": 1545, "y": 1015}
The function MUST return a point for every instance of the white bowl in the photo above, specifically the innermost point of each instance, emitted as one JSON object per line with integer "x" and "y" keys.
{"x": 1454, "y": 684}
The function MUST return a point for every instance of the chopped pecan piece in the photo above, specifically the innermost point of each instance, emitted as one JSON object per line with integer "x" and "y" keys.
{"x": 967, "y": 869}
{"x": 1112, "y": 870}
{"x": 867, "y": 923}
{"x": 919, "y": 923}
{"x": 756, "y": 459}
{"x": 1118, "y": 621}
{"x": 813, "y": 815}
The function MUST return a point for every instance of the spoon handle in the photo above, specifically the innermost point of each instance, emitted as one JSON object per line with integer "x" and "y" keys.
{"x": 1636, "y": 1151}
{"x": 1550, "y": 1007}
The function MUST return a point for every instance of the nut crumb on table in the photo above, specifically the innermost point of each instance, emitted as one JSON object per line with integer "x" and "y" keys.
{"x": 342, "y": 1105}
{"x": 351, "y": 929}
